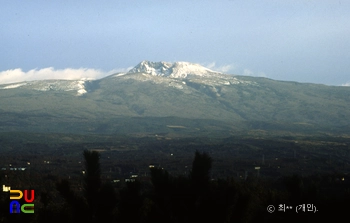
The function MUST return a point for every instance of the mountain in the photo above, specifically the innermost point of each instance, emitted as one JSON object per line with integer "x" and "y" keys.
{"x": 173, "y": 98}
{"x": 175, "y": 70}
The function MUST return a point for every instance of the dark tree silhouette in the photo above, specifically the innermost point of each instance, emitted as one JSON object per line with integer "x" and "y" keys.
{"x": 160, "y": 180}
{"x": 92, "y": 179}
{"x": 200, "y": 174}
{"x": 107, "y": 204}
{"x": 130, "y": 203}
{"x": 99, "y": 203}
{"x": 162, "y": 194}
{"x": 202, "y": 197}
{"x": 77, "y": 208}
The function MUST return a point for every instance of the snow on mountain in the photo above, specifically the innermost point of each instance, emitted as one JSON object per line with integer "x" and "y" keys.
{"x": 173, "y": 70}
{"x": 179, "y": 73}
{"x": 47, "y": 85}
{"x": 9, "y": 86}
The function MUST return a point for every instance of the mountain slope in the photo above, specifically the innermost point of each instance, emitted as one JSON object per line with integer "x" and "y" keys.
{"x": 153, "y": 96}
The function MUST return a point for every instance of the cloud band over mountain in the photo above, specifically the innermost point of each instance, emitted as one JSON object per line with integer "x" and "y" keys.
{"x": 18, "y": 75}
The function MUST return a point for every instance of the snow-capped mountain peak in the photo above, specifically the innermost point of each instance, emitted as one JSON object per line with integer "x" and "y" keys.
{"x": 178, "y": 74}
{"x": 173, "y": 70}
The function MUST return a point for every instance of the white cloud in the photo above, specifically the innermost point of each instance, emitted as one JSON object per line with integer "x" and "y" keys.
{"x": 233, "y": 69}
{"x": 248, "y": 72}
{"x": 119, "y": 70}
{"x": 223, "y": 68}
{"x": 346, "y": 84}
{"x": 210, "y": 65}
{"x": 17, "y": 75}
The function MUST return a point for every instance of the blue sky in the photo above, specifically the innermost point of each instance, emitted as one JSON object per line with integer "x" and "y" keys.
{"x": 292, "y": 40}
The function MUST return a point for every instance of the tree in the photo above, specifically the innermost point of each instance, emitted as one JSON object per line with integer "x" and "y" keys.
{"x": 99, "y": 203}
{"x": 160, "y": 180}
{"x": 200, "y": 178}
{"x": 107, "y": 207}
{"x": 162, "y": 193}
{"x": 200, "y": 174}
{"x": 75, "y": 210}
{"x": 92, "y": 179}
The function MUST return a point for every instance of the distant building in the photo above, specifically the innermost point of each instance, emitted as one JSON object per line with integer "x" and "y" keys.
{"x": 15, "y": 168}
{"x": 154, "y": 165}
